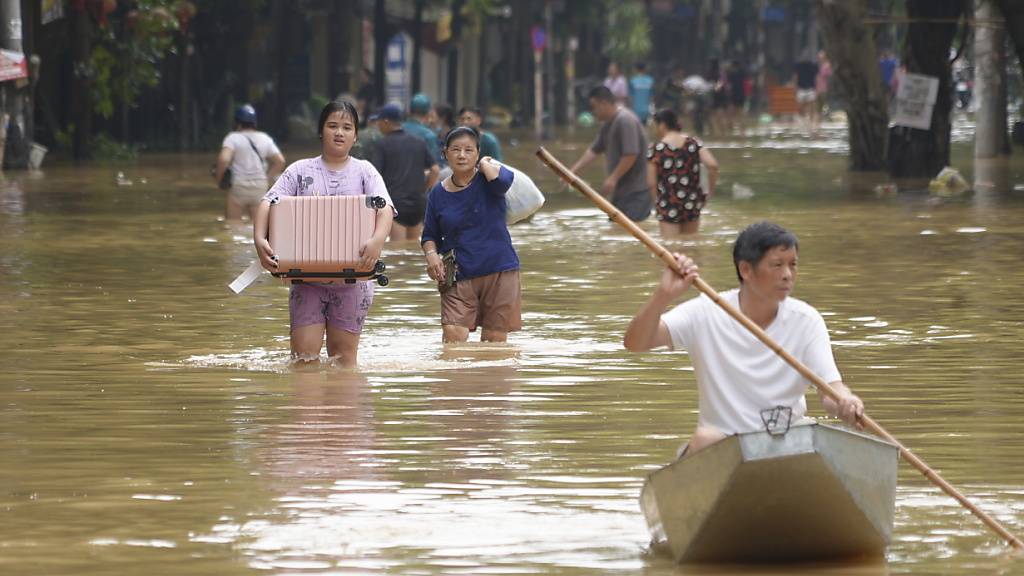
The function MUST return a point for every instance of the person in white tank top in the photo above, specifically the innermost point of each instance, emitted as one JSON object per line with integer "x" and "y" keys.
{"x": 738, "y": 377}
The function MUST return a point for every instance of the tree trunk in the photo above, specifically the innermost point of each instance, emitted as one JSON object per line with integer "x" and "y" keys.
{"x": 989, "y": 92}
{"x": 380, "y": 46}
{"x": 923, "y": 153}
{"x": 1013, "y": 15}
{"x": 184, "y": 91}
{"x": 482, "y": 100}
{"x": 15, "y": 153}
{"x": 453, "y": 53}
{"x": 851, "y": 49}
{"x": 340, "y": 46}
{"x": 81, "y": 88}
{"x": 417, "y": 46}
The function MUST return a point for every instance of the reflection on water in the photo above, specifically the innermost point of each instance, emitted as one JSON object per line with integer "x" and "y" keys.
{"x": 151, "y": 417}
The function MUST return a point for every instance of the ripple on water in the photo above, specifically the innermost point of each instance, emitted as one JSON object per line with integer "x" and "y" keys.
{"x": 492, "y": 527}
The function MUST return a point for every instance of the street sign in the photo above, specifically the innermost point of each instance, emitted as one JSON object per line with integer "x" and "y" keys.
{"x": 539, "y": 38}
{"x": 915, "y": 100}
{"x": 396, "y": 75}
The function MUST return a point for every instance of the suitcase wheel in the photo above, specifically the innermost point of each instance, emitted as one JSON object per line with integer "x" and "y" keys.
{"x": 377, "y": 202}
{"x": 383, "y": 280}
{"x": 379, "y": 267}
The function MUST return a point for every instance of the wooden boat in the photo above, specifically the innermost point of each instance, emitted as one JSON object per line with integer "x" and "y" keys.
{"x": 816, "y": 492}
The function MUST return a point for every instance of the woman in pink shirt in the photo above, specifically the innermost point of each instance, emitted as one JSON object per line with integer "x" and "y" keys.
{"x": 821, "y": 84}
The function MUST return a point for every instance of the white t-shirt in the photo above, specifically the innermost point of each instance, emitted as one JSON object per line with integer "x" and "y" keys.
{"x": 246, "y": 165}
{"x": 738, "y": 376}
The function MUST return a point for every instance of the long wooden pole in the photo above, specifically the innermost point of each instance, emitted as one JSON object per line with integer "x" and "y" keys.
{"x": 821, "y": 385}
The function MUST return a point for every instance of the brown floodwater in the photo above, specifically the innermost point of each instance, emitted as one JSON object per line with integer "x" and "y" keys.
{"x": 150, "y": 422}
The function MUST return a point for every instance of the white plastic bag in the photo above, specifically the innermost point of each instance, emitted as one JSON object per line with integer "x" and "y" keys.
{"x": 523, "y": 197}
{"x": 949, "y": 182}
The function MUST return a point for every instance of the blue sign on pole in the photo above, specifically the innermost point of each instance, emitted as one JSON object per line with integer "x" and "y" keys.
{"x": 396, "y": 79}
{"x": 539, "y": 38}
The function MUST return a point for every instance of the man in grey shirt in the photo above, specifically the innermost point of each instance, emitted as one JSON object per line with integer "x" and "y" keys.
{"x": 623, "y": 141}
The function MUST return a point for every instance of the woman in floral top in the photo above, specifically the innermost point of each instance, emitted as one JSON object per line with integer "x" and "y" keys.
{"x": 674, "y": 165}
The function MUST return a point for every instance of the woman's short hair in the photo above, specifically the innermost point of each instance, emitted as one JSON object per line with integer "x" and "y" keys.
{"x": 756, "y": 240}
{"x": 460, "y": 131}
{"x": 343, "y": 106}
{"x": 667, "y": 117}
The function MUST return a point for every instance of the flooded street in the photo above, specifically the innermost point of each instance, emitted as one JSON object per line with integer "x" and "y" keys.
{"x": 149, "y": 418}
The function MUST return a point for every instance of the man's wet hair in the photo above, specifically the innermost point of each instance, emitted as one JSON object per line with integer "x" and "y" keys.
{"x": 602, "y": 93}
{"x": 343, "y": 106}
{"x": 756, "y": 240}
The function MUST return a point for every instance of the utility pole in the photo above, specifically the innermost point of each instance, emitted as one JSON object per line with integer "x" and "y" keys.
{"x": 990, "y": 82}
{"x": 13, "y": 93}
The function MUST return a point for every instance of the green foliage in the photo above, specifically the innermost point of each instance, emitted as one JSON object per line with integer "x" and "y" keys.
{"x": 317, "y": 102}
{"x": 106, "y": 148}
{"x": 65, "y": 138}
{"x": 477, "y": 10}
{"x": 126, "y": 56}
{"x": 628, "y": 35}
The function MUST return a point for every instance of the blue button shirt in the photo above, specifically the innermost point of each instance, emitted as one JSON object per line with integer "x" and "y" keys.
{"x": 472, "y": 221}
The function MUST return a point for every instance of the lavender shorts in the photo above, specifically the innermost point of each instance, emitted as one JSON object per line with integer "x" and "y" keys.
{"x": 343, "y": 306}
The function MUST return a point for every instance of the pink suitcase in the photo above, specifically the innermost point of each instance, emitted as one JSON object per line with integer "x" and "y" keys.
{"x": 317, "y": 238}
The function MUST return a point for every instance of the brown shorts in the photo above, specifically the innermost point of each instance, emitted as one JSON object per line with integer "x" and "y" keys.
{"x": 492, "y": 302}
{"x": 248, "y": 194}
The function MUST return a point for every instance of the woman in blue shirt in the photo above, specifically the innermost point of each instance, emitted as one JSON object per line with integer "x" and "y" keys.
{"x": 464, "y": 232}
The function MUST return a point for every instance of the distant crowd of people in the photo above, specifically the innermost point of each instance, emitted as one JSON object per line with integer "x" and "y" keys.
{"x": 715, "y": 103}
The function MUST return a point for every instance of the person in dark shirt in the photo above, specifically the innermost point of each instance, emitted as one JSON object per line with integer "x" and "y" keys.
{"x": 805, "y": 77}
{"x": 623, "y": 141}
{"x": 737, "y": 94}
{"x": 409, "y": 171}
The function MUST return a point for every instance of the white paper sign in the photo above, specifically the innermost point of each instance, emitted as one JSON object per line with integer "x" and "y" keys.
{"x": 915, "y": 100}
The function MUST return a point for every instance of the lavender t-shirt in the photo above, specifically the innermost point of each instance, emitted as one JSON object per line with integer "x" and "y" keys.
{"x": 311, "y": 177}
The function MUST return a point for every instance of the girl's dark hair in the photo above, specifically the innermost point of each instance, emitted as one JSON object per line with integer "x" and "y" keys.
{"x": 462, "y": 131}
{"x": 343, "y": 106}
{"x": 668, "y": 118}
{"x": 756, "y": 240}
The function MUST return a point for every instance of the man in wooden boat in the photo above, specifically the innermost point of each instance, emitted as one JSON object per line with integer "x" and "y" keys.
{"x": 739, "y": 378}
